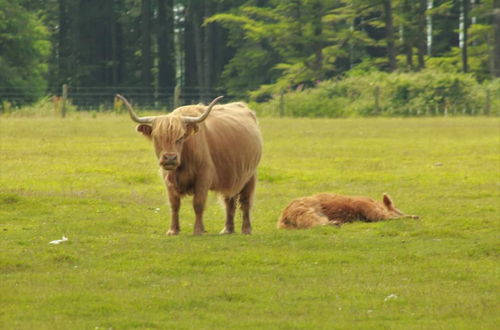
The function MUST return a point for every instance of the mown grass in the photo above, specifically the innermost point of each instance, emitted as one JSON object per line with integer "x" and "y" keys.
{"x": 96, "y": 181}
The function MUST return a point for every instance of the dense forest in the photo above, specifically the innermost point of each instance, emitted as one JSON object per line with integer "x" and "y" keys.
{"x": 147, "y": 49}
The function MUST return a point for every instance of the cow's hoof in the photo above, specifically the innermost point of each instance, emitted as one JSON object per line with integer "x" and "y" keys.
{"x": 226, "y": 231}
{"x": 172, "y": 232}
{"x": 247, "y": 231}
{"x": 198, "y": 232}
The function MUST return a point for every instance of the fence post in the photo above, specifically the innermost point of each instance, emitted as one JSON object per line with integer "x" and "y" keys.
{"x": 282, "y": 103}
{"x": 487, "y": 105}
{"x": 177, "y": 96}
{"x": 376, "y": 94}
{"x": 64, "y": 98}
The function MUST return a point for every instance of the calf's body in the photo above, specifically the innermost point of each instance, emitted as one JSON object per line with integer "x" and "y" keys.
{"x": 332, "y": 209}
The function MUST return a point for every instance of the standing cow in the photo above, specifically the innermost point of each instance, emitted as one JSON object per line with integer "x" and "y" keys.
{"x": 198, "y": 152}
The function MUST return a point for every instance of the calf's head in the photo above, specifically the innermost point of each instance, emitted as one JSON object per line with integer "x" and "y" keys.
{"x": 168, "y": 132}
{"x": 393, "y": 211}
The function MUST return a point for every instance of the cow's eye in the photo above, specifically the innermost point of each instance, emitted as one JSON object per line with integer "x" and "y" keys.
{"x": 179, "y": 141}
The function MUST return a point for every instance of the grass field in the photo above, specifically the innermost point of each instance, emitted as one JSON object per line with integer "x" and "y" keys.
{"x": 96, "y": 181}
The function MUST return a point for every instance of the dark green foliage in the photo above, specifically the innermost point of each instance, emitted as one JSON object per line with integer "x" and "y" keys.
{"x": 239, "y": 48}
{"x": 281, "y": 44}
{"x": 24, "y": 48}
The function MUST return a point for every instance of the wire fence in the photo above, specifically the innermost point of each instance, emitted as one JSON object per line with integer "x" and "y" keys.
{"x": 94, "y": 98}
{"x": 68, "y": 98}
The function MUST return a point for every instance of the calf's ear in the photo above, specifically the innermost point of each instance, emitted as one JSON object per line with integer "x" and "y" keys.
{"x": 144, "y": 129}
{"x": 191, "y": 129}
{"x": 388, "y": 202}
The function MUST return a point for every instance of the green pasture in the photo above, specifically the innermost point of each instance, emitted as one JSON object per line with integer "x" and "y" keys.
{"x": 96, "y": 181}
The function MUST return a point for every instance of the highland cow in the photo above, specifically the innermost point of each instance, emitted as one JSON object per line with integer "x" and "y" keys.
{"x": 202, "y": 148}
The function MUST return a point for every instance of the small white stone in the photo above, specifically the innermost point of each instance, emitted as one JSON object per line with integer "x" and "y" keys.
{"x": 390, "y": 297}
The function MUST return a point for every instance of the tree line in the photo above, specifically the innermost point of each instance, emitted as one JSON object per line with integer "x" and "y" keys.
{"x": 234, "y": 47}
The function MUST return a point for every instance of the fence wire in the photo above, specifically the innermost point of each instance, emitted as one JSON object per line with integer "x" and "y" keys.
{"x": 92, "y": 98}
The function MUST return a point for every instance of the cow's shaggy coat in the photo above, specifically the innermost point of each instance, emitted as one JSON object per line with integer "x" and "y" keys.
{"x": 220, "y": 153}
{"x": 331, "y": 209}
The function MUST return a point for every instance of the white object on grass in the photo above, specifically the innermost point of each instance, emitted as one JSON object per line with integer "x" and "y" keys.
{"x": 391, "y": 296}
{"x": 59, "y": 241}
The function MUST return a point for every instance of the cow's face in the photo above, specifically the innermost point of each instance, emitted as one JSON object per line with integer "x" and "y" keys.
{"x": 168, "y": 134}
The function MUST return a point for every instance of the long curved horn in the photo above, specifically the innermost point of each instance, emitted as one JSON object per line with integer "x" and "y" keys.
{"x": 204, "y": 115}
{"x": 140, "y": 120}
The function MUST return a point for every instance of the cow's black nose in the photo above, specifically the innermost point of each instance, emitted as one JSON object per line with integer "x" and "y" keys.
{"x": 170, "y": 157}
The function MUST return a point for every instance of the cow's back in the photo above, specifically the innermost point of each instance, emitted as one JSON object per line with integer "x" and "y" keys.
{"x": 235, "y": 144}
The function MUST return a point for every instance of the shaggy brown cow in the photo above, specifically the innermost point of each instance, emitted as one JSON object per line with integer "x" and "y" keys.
{"x": 331, "y": 209}
{"x": 198, "y": 153}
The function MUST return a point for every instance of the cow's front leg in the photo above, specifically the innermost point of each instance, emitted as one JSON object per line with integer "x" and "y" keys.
{"x": 175, "y": 205}
{"x": 199, "y": 199}
{"x": 230, "y": 210}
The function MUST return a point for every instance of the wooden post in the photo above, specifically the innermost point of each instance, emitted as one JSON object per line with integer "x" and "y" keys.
{"x": 64, "y": 99}
{"x": 487, "y": 104}
{"x": 177, "y": 96}
{"x": 282, "y": 103}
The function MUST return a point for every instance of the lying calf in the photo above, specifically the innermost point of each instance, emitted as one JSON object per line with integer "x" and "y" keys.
{"x": 331, "y": 209}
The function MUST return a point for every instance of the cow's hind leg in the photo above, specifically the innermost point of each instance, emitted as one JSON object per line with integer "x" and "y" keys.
{"x": 230, "y": 203}
{"x": 246, "y": 199}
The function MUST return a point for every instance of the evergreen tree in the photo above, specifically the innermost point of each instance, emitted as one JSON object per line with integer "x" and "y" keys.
{"x": 24, "y": 50}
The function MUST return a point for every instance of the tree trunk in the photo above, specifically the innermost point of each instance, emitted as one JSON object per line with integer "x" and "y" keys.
{"x": 114, "y": 49}
{"x": 296, "y": 8}
{"x": 409, "y": 54}
{"x": 406, "y": 32}
{"x": 119, "y": 51}
{"x": 198, "y": 45}
{"x": 223, "y": 51}
{"x": 166, "y": 58}
{"x": 207, "y": 53}
{"x": 421, "y": 34}
{"x": 465, "y": 13}
{"x": 190, "y": 80}
{"x": 146, "y": 58}
{"x": 318, "y": 39}
{"x": 63, "y": 44}
{"x": 107, "y": 44}
{"x": 391, "y": 49}
{"x": 496, "y": 38}
{"x": 430, "y": 5}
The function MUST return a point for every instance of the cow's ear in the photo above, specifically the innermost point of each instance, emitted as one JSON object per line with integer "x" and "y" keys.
{"x": 191, "y": 129}
{"x": 144, "y": 129}
{"x": 388, "y": 202}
